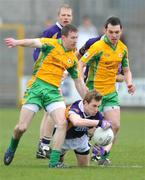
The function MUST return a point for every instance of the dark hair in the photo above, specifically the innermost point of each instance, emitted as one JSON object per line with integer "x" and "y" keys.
{"x": 113, "y": 21}
{"x": 68, "y": 28}
{"x": 92, "y": 95}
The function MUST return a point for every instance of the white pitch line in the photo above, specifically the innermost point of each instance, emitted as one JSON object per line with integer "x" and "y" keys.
{"x": 125, "y": 166}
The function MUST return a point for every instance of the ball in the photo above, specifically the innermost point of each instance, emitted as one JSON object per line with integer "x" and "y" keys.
{"x": 103, "y": 137}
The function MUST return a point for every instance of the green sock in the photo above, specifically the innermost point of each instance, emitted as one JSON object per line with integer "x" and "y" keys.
{"x": 13, "y": 144}
{"x": 105, "y": 156}
{"x": 54, "y": 157}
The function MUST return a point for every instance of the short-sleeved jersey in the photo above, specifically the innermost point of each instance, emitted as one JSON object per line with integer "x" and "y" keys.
{"x": 54, "y": 61}
{"x": 83, "y": 50}
{"x": 78, "y": 108}
{"x": 52, "y": 32}
{"x": 104, "y": 60}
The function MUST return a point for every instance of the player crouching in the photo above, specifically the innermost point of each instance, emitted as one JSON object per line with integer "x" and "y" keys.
{"x": 81, "y": 116}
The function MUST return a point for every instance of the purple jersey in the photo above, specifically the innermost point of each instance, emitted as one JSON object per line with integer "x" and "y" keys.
{"x": 91, "y": 41}
{"x": 52, "y": 32}
{"x": 77, "y": 132}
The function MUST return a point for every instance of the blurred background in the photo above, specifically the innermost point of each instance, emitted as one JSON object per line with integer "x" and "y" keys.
{"x": 28, "y": 18}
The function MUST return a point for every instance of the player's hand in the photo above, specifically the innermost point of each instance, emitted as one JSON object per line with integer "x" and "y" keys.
{"x": 98, "y": 151}
{"x": 10, "y": 42}
{"x": 105, "y": 124}
{"x": 131, "y": 89}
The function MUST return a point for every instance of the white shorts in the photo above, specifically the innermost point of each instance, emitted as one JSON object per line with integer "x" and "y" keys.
{"x": 79, "y": 144}
{"x": 55, "y": 105}
{"x": 51, "y": 107}
{"x": 31, "y": 107}
{"x": 110, "y": 108}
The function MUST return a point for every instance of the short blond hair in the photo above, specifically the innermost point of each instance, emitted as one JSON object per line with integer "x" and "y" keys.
{"x": 65, "y": 6}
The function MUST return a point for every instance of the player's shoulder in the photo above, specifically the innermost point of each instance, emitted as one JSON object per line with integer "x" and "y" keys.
{"x": 51, "y": 28}
{"x": 91, "y": 41}
{"x": 97, "y": 45}
{"x": 122, "y": 45}
{"x": 76, "y": 107}
{"x": 51, "y": 31}
{"x": 49, "y": 41}
{"x": 73, "y": 108}
{"x": 45, "y": 39}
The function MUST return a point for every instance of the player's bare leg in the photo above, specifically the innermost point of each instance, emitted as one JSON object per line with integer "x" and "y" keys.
{"x": 114, "y": 117}
{"x": 46, "y": 132}
{"x": 58, "y": 116}
{"x": 83, "y": 160}
{"x": 26, "y": 117}
{"x": 43, "y": 126}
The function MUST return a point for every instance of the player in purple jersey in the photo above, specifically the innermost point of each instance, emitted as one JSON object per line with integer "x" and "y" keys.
{"x": 81, "y": 116}
{"x": 65, "y": 16}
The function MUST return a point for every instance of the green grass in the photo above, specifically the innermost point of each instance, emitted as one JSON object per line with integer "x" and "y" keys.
{"x": 127, "y": 156}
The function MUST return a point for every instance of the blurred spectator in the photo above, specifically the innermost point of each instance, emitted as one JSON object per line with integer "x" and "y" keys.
{"x": 87, "y": 30}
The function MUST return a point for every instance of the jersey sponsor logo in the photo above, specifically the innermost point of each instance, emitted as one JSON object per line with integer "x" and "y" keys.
{"x": 106, "y": 54}
{"x": 81, "y": 129}
{"x": 111, "y": 65}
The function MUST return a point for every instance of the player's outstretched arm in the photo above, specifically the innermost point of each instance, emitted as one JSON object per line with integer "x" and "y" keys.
{"x": 34, "y": 43}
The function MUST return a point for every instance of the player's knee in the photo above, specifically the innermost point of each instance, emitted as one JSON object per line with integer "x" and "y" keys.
{"x": 20, "y": 128}
{"x": 116, "y": 127}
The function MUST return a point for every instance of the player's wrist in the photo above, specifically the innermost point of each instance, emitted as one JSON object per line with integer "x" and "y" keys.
{"x": 129, "y": 85}
{"x": 99, "y": 123}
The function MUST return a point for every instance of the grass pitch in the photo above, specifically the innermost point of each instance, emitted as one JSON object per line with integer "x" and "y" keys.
{"x": 127, "y": 156}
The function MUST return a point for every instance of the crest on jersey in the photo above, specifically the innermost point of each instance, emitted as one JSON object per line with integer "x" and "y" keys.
{"x": 107, "y": 55}
{"x": 120, "y": 55}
